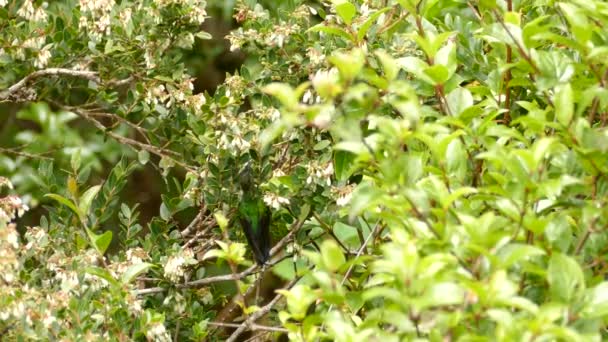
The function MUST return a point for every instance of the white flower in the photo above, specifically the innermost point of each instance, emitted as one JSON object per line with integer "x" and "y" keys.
{"x": 174, "y": 267}
{"x": 157, "y": 332}
{"x": 278, "y": 173}
{"x": 13, "y": 238}
{"x": 48, "y": 319}
{"x": 125, "y": 16}
{"x": 198, "y": 14}
{"x": 344, "y": 199}
{"x": 137, "y": 255}
{"x": 43, "y": 57}
{"x": 30, "y": 13}
{"x": 275, "y": 200}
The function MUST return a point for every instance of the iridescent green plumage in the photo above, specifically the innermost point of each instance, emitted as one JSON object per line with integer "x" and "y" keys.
{"x": 254, "y": 217}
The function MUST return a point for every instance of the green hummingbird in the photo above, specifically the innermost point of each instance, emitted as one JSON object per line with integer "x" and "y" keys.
{"x": 254, "y": 216}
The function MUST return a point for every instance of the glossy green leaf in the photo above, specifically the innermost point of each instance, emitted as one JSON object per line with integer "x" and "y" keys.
{"x": 85, "y": 201}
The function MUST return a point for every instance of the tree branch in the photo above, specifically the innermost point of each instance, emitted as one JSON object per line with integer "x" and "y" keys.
{"x": 252, "y": 327}
{"x": 231, "y": 277}
{"x": 89, "y": 75}
{"x": 133, "y": 143}
{"x": 260, "y": 313}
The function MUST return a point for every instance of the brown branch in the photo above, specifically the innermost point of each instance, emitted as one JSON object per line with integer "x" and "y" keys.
{"x": 24, "y": 154}
{"x": 142, "y": 131}
{"x": 133, "y": 143}
{"x": 520, "y": 48}
{"x": 252, "y": 327}
{"x": 260, "y": 313}
{"x": 195, "y": 223}
{"x": 583, "y": 240}
{"x": 88, "y": 75}
{"x": 231, "y": 277}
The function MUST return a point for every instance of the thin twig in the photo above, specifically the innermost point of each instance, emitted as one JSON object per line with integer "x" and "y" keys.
{"x": 230, "y": 277}
{"x": 89, "y": 75}
{"x": 194, "y": 224}
{"x": 133, "y": 143}
{"x": 252, "y": 327}
{"x": 260, "y": 313}
{"x": 24, "y": 154}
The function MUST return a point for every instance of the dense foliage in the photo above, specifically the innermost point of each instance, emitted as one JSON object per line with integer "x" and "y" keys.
{"x": 436, "y": 170}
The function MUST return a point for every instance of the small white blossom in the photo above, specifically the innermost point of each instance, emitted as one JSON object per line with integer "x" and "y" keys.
{"x": 157, "y": 332}
{"x": 43, "y": 57}
{"x": 137, "y": 255}
{"x": 344, "y": 199}
{"x": 275, "y": 200}
{"x": 278, "y": 173}
{"x": 48, "y": 319}
{"x": 28, "y": 12}
{"x": 174, "y": 267}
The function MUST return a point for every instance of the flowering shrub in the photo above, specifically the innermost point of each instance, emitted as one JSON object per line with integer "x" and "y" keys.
{"x": 435, "y": 170}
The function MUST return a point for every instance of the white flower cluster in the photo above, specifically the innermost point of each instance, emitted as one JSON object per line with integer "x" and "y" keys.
{"x": 96, "y": 17}
{"x": 169, "y": 95}
{"x": 319, "y": 173}
{"x": 37, "y": 239}
{"x": 43, "y": 57}
{"x": 9, "y": 245}
{"x": 11, "y": 207}
{"x": 31, "y": 13}
{"x": 281, "y": 33}
{"x": 137, "y": 255}
{"x": 175, "y": 266}
{"x": 176, "y": 301}
{"x": 157, "y": 332}
{"x": 275, "y": 200}
{"x": 197, "y": 13}
{"x": 316, "y": 57}
{"x": 343, "y": 194}
{"x": 239, "y": 37}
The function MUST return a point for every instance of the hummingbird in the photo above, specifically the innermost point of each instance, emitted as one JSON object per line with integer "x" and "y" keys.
{"x": 254, "y": 216}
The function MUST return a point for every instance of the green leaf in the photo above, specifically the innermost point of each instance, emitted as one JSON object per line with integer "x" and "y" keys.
{"x": 565, "y": 278}
{"x": 515, "y": 252}
{"x": 459, "y": 100}
{"x": 331, "y": 255}
{"x": 75, "y": 160}
{"x": 389, "y": 65}
{"x": 345, "y": 10}
{"x": 446, "y": 56}
{"x": 143, "y": 157}
{"x": 349, "y": 64}
{"x": 596, "y": 302}
{"x": 135, "y": 270}
{"x": 103, "y": 274}
{"x": 438, "y": 73}
{"x": 581, "y": 28}
{"x": 564, "y": 104}
{"x": 333, "y": 30}
{"x": 440, "y": 294}
{"x": 65, "y": 202}
{"x": 85, "y": 201}
{"x": 221, "y": 220}
{"x": 343, "y": 167}
{"x": 100, "y": 242}
{"x": 283, "y": 92}
{"x": 203, "y": 35}
{"x": 165, "y": 213}
{"x": 417, "y": 67}
{"x": 368, "y": 23}
{"x": 321, "y": 145}
{"x": 364, "y": 196}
